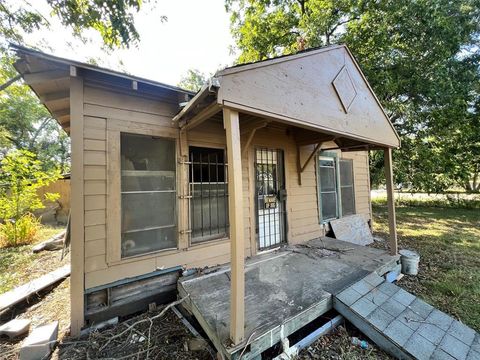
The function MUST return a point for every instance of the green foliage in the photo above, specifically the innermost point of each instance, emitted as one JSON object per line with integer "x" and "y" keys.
{"x": 22, "y": 231}
{"x": 25, "y": 124}
{"x": 193, "y": 80}
{"x": 112, "y": 19}
{"x": 21, "y": 177}
{"x": 421, "y": 58}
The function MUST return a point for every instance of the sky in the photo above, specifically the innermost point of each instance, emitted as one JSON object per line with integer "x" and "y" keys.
{"x": 195, "y": 36}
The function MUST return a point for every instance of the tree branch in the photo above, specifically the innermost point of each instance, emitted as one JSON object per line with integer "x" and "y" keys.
{"x": 9, "y": 82}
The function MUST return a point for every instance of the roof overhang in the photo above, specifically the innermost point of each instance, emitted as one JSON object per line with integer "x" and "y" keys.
{"x": 49, "y": 77}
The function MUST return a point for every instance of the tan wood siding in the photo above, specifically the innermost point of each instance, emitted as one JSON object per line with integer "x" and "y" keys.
{"x": 110, "y": 113}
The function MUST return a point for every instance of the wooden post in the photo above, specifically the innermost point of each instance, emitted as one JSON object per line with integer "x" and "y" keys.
{"x": 77, "y": 208}
{"x": 235, "y": 211}
{"x": 392, "y": 224}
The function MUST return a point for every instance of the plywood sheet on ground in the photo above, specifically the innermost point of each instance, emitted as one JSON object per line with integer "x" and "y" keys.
{"x": 353, "y": 229}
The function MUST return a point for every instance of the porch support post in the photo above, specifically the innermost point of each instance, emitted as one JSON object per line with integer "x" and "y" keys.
{"x": 392, "y": 224}
{"x": 235, "y": 211}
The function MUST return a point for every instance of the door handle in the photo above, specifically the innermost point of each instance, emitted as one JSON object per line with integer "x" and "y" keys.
{"x": 282, "y": 194}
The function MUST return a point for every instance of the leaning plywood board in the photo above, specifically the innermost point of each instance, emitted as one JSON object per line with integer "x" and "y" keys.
{"x": 20, "y": 293}
{"x": 353, "y": 229}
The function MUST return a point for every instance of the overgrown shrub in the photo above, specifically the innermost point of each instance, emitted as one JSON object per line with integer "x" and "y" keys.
{"x": 22, "y": 231}
{"x": 21, "y": 176}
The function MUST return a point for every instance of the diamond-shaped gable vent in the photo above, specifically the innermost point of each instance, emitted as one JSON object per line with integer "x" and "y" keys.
{"x": 345, "y": 88}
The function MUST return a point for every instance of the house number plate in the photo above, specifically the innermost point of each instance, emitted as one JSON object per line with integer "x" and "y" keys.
{"x": 270, "y": 201}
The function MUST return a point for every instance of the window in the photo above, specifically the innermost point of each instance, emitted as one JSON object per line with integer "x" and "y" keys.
{"x": 328, "y": 188}
{"x": 208, "y": 188}
{"x": 336, "y": 187}
{"x": 148, "y": 194}
{"x": 346, "y": 187}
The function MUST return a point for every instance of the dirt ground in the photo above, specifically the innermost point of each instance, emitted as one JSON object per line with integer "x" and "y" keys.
{"x": 338, "y": 346}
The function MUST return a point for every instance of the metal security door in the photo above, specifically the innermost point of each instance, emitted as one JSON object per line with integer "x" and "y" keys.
{"x": 271, "y": 195}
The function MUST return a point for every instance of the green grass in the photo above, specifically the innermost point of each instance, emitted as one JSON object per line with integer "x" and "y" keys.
{"x": 448, "y": 241}
{"x": 19, "y": 265}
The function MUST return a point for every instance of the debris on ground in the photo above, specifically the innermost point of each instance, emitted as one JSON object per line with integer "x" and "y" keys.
{"x": 24, "y": 291}
{"x": 338, "y": 346}
{"x": 40, "y": 343}
{"x": 49, "y": 305}
{"x": 54, "y": 243}
{"x": 15, "y": 328}
{"x": 145, "y": 336}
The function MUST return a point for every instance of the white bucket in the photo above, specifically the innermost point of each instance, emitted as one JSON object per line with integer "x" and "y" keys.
{"x": 409, "y": 260}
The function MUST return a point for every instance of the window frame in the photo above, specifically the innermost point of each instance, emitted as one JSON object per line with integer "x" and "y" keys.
{"x": 326, "y": 155}
{"x": 221, "y": 237}
{"x": 174, "y": 193}
{"x": 351, "y": 162}
{"x": 113, "y": 181}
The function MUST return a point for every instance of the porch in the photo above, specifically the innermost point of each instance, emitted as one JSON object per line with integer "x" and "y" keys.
{"x": 284, "y": 291}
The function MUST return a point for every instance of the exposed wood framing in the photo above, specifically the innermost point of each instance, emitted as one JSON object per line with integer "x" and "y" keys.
{"x": 77, "y": 208}
{"x": 56, "y": 96}
{"x": 301, "y": 168}
{"x": 202, "y": 116}
{"x": 392, "y": 225}
{"x": 251, "y": 129}
{"x": 235, "y": 207}
{"x": 43, "y": 77}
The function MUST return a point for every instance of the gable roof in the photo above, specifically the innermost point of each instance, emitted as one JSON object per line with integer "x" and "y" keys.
{"x": 321, "y": 89}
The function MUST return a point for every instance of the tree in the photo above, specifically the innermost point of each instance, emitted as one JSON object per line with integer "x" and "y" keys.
{"x": 112, "y": 19}
{"x": 421, "y": 58}
{"x": 193, "y": 80}
{"x": 25, "y": 124}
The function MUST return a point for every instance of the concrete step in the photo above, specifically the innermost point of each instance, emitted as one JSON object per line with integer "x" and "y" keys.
{"x": 403, "y": 325}
{"x": 39, "y": 344}
{"x": 15, "y": 327}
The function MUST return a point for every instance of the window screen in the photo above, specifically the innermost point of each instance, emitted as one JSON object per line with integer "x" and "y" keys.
{"x": 328, "y": 188}
{"x": 148, "y": 194}
{"x": 208, "y": 188}
{"x": 346, "y": 186}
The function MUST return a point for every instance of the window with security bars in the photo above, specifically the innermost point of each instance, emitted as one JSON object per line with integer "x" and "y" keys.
{"x": 336, "y": 187}
{"x": 148, "y": 194}
{"x": 346, "y": 187}
{"x": 209, "y": 196}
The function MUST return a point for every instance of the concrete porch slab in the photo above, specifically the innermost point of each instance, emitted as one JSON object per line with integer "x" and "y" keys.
{"x": 284, "y": 291}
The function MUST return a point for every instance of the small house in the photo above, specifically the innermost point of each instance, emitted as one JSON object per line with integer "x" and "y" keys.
{"x": 164, "y": 180}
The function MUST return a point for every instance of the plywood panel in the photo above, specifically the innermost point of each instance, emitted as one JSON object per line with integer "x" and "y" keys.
{"x": 300, "y": 89}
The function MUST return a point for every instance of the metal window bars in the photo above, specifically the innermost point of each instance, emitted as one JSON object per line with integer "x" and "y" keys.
{"x": 208, "y": 200}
